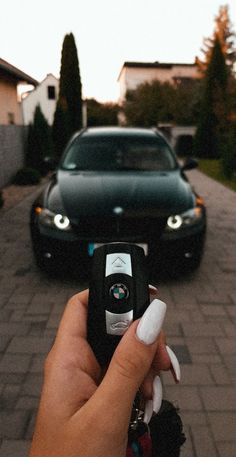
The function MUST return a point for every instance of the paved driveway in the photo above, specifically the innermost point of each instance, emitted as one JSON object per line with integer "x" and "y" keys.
{"x": 200, "y": 327}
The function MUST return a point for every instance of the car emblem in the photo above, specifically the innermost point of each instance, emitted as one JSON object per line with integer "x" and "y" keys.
{"x": 118, "y": 210}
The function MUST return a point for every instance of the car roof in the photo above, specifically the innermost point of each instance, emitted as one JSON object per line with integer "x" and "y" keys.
{"x": 119, "y": 131}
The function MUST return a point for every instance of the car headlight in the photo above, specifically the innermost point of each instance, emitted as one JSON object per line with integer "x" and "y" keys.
{"x": 188, "y": 218}
{"x": 53, "y": 220}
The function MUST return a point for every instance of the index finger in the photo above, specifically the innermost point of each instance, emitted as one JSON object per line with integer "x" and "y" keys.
{"x": 74, "y": 319}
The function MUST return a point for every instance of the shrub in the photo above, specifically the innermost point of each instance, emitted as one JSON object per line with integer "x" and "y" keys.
{"x": 228, "y": 153}
{"x": 1, "y": 199}
{"x": 27, "y": 176}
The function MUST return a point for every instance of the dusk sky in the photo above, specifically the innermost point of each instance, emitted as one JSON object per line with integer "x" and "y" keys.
{"x": 107, "y": 34}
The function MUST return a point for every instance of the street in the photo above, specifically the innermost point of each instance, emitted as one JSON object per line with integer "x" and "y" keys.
{"x": 200, "y": 328}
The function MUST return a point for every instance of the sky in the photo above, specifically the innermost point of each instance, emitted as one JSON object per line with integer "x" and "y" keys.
{"x": 107, "y": 33}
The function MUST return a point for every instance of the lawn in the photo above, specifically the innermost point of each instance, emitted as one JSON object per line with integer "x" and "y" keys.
{"x": 211, "y": 167}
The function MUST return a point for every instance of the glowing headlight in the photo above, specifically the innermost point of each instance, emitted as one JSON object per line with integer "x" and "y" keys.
{"x": 61, "y": 222}
{"x": 185, "y": 219}
{"x": 50, "y": 219}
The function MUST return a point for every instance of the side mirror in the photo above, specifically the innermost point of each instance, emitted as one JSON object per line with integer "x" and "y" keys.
{"x": 189, "y": 164}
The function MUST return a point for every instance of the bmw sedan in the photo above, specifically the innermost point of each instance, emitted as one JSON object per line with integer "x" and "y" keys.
{"x": 119, "y": 184}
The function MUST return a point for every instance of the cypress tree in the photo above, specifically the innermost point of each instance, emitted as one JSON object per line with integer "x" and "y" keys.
{"x": 68, "y": 114}
{"x": 39, "y": 141}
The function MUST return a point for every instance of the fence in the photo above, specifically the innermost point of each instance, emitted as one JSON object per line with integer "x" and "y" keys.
{"x": 12, "y": 138}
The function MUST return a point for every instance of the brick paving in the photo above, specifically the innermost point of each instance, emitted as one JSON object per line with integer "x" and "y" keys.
{"x": 200, "y": 327}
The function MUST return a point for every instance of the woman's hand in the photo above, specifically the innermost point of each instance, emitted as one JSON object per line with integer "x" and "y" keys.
{"x": 84, "y": 412}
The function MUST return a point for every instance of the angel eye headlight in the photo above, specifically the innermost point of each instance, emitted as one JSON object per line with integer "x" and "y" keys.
{"x": 50, "y": 219}
{"x": 190, "y": 217}
{"x": 61, "y": 222}
{"x": 174, "y": 222}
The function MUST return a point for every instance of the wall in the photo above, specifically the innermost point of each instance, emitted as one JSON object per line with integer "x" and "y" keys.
{"x": 11, "y": 151}
{"x": 9, "y": 103}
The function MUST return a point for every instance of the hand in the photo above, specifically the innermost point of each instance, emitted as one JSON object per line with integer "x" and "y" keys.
{"x": 84, "y": 413}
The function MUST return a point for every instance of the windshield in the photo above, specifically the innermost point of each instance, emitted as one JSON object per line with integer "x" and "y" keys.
{"x": 118, "y": 153}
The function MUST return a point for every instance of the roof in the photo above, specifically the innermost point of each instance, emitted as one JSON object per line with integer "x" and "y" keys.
{"x": 17, "y": 74}
{"x": 164, "y": 65}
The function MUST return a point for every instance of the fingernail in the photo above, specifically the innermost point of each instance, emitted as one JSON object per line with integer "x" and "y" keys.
{"x": 152, "y": 289}
{"x": 151, "y": 322}
{"x": 174, "y": 363}
{"x": 148, "y": 411}
{"x": 157, "y": 394}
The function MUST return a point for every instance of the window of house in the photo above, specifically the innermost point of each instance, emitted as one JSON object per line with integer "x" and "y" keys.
{"x": 11, "y": 118}
{"x": 51, "y": 92}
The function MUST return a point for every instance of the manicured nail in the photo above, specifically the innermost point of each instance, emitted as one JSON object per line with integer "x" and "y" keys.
{"x": 148, "y": 411}
{"x": 157, "y": 394}
{"x": 152, "y": 289}
{"x": 151, "y": 322}
{"x": 174, "y": 363}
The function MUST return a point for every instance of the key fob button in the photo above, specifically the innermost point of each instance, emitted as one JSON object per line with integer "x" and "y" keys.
{"x": 117, "y": 324}
{"x": 118, "y": 262}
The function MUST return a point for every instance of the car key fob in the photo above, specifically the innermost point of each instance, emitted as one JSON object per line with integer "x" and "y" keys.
{"x": 118, "y": 295}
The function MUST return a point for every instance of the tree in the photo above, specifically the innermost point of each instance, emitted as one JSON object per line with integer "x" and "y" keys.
{"x": 155, "y": 102}
{"x": 223, "y": 32}
{"x": 101, "y": 113}
{"x": 68, "y": 114}
{"x": 214, "y": 109}
{"x": 39, "y": 142}
{"x": 149, "y": 104}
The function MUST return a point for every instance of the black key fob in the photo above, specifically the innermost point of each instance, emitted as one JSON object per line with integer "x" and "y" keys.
{"x": 118, "y": 295}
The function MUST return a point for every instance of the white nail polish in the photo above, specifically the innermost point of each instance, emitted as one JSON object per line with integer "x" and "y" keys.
{"x": 152, "y": 289}
{"x": 157, "y": 394}
{"x": 151, "y": 322}
{"x": 148, "y": 411}
{"x": 174, "y": 363}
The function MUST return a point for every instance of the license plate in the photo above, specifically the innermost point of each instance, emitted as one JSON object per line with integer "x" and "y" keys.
{"x": 93, "y": 246}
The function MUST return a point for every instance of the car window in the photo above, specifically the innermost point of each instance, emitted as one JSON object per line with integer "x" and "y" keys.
{"x": 119, "y": 153}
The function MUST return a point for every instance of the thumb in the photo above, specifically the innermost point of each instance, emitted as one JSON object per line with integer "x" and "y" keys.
{"x": 132, "y": 360}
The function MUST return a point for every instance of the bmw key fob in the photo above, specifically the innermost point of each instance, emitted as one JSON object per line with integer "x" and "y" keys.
{"x": 118, "y": 295}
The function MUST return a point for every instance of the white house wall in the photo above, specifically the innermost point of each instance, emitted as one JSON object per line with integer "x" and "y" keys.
{"x": 40, "y": 96}
{"x": 131, "y": 77}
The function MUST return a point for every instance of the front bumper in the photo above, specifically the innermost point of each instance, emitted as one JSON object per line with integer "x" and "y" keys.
{"x": 70, "y": 249}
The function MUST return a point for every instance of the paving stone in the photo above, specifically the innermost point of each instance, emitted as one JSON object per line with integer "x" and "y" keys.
{"x": 12, "y": 328}
{"x": 27, "y": 402}
{"x": 223, "y": 425}
{"x": 9, "y": 396}
{"x": 15, "y": 448}
{"x": 226, "y": 345}
{"x": 32, "y": 385}
{"x": 201, "y": 345}
{"x": 4, "y": 341}
{"x": 15, "y": 363}
{"x": 203, "y": 330}
{"x": 196, "y": 375}
{"x": 37, "y": 364}
{"x": 219, "y": 398}
{"x": 13, "y": 424}
{"x": 220, "y": 374}
{"x": 203, "y": 442}
{"x": 208, "y": 359}
{"x": 30, "y": 345}
{"x": 227, "y": 449}
{"x": 186, "y": 398}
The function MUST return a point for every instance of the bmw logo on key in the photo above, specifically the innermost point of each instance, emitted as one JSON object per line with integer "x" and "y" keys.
{"x": 119, "y": 291}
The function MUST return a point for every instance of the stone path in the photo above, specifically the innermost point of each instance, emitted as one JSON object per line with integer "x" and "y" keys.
{"x": 200, "y": 327}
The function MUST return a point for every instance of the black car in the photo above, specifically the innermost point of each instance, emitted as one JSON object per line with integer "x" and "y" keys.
{"x": 119, "y": 184}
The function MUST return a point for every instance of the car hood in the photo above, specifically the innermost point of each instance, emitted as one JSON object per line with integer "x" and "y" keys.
{"x": 99, "y": 193}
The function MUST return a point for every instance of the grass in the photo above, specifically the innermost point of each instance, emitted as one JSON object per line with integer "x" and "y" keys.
{"x": 212, "y": 168}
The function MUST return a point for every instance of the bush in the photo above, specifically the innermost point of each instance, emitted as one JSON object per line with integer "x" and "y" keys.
{"x": 27, "y": 176}
{"x": 1, "y": 199}
{"x": 228, "y": 153}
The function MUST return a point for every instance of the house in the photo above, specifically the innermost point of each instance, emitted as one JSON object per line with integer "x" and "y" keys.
{"x": 133, "y": 74}
{"x": 45, "y": 95}
{"x": 10, "y": 78}
{"x": 12, "y": 131}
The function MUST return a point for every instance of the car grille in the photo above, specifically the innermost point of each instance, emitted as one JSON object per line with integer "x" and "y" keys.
{"x": 119, "y": 228}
